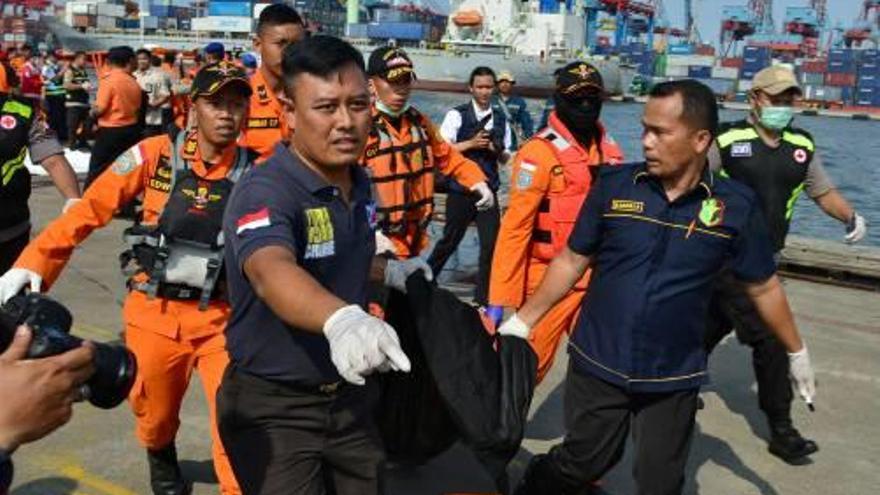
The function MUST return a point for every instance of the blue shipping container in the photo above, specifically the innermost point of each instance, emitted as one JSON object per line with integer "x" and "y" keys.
{"x": 235, "y": 9}
{"x": 747, "y": 74}
{"x": 356, "y": 30}
{"x": 161, "y": 11}
{"x": 699, "y": 72}
{"x": 841, "y": 67}
{"x": 872, "y": 68}
{"x": 681, "y": 49}
{"x": 868, "y": 81}
{"x": 847, "y": 95}
{"x": 397, "y": 30}
{"x": 841, "y": 54}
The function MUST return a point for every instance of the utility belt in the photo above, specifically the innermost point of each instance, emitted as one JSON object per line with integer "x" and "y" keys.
{"x": 175, "y": 269}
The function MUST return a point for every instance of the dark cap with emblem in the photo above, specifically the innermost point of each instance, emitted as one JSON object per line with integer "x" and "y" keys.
{"x": 579, "y": 79}
{"x": 390, "y": 63}
{"x": 211, "y": 78}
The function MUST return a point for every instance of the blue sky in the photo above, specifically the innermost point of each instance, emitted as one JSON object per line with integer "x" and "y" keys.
{"x": 709, "y": 13}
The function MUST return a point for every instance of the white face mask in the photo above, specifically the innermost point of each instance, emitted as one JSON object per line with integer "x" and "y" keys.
{"x": 387, "y": 111}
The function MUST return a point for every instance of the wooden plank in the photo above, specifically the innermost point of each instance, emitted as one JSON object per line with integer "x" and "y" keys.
{"x": 831, "y": 257}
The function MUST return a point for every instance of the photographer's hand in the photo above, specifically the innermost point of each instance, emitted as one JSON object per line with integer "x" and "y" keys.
{"x": 38, "y": 393}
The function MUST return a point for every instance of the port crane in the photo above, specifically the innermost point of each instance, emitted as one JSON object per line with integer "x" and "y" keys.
{"x": 631, "y": 17}
{"x": 867, "y": 26}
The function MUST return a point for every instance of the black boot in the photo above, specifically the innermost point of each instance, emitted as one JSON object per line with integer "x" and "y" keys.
{"x": 165, "y": 476}
{"x": 542, "y": 478}
{"x": 788, "y": 444}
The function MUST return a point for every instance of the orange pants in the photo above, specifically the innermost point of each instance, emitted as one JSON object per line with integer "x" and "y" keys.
{"x": 547, "y": 333}
{"x": 165, "y": 366}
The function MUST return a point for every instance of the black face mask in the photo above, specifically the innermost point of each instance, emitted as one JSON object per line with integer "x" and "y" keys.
{"x": 580, "y": 116}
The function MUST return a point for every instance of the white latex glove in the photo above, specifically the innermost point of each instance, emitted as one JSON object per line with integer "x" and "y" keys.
{"x": 86, "y": 85}
{"x": 515, "y": 327}
{"x": 855, "y": 229}
{"x": 361, "y": 344}
{"x": 397, "y": 271}
{"x": 383, "y": 244}
{"x": 487, "y": 199}
{"x": 803, "y": 381}
{"x": 16, "y": 279}
{"x": 67, "y": 204}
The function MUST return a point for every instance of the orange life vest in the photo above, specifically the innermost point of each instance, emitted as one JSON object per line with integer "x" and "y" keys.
{"x": 559, "y": 209}
{"x": 401, "y": 167}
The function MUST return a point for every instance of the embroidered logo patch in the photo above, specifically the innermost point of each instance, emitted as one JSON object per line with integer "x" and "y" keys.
{"x": 525, "y": 175}
{"x": 128, "y": 161}
{"x": 319, "y": 234}
{"x": 627, "y": 206}
{"x": 8, "y": 122}
{"x": 712, "y": 212}
{"x": 800, "y": 155}
{"x": 741, "y": 150}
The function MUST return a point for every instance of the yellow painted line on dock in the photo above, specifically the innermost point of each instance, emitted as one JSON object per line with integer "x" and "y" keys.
{"x": 69, "y": 467}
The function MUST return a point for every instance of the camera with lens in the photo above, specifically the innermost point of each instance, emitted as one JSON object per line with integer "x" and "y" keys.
{"x": 50, "y": 321}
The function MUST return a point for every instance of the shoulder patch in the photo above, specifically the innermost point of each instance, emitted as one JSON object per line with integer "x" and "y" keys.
{"x": 128, "y": 161}
{"x": 525, "y": 176}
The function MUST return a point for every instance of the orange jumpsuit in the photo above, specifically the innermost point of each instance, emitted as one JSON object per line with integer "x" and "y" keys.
{"x": 265, "y": 125}
{"x": 402, "y": 162}
{"x": 550, "y": 180}
{"x": 168, "y": 337}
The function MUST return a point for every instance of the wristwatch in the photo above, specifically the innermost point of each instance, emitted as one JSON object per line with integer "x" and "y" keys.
{"x": 5, "y": 471}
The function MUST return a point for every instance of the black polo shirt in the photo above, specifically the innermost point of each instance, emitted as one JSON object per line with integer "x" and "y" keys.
{"x": 643, "y": 318}
{"x": 284, "y": 203}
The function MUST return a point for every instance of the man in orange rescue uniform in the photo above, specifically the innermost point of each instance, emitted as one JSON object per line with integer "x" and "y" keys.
{"x": 176, "y": 309}
{"x": 402, "y": 153}
{"x": 552, "y": 174}
{"x": 279, "y": 25}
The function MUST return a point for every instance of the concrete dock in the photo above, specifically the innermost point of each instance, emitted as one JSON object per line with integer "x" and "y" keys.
{"x": 97, "y": 454}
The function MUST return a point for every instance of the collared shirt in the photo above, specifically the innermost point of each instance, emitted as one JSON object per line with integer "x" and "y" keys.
{"x": 265, "y": 126}
{"x": 156, "y": 83}
{"x": 119, "y": 95}
{"x": 284, "y": 203}
{"x": 452, "y": 123}
{"x": 643, "y": 318}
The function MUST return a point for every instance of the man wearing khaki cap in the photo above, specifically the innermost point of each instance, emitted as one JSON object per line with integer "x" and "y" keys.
{"x": 778, "y": 161}
{"x": 514, "y": 108}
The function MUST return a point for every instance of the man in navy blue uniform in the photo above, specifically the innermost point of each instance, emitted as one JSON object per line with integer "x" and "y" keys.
{"x": 657, "y": 235}
{"x": 295, "y": 404}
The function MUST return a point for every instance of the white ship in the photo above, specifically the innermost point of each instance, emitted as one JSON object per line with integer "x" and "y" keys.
{"x": 501, "y": 34}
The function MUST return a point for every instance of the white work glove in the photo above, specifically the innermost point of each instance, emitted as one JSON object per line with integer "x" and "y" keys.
{"x": 16, "y": 279}
{"x": 361, "y": 344}
{"x": 383, "y": 244}
{"x": 515, "y": 327}
{"x": 856, "y": 229}
{"x": 86, "y": 85}
{"x": 67, "y": 204}
{"x": 803, "y": 381}
{"x": 397, "y": 271}
{"x": 487, "y": 199}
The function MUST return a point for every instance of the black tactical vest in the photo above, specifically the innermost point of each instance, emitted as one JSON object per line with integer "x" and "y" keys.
{"x": 777, "y": 175}
{"x": 16, "y": 118}
{"x": 78, "y": 95}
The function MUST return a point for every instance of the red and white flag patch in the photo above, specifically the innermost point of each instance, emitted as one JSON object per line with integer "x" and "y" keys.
{"x": 251, "y": 221}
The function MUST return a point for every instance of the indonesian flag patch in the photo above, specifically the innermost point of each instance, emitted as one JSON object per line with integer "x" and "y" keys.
{"x": 252, "y": 221}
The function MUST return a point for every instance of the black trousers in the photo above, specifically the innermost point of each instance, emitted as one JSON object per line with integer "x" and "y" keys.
{"x": 76, "y": 131}
{"x": 598, "y": 419}
{"x": 9, "y": 250}
{"x": 284, "y": 440}
{"x": 730, "y": 308}
{"x": 57, "y": 116}
{"x": 110, "y": 142}
{"x": 461, "y": 210}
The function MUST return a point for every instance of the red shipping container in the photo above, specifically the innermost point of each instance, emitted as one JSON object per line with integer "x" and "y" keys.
{"x": 841, "y": 80}
{"x": 732, "y": 62}
{"x": 705, "y": 50}
{"x": 817, "y": 66}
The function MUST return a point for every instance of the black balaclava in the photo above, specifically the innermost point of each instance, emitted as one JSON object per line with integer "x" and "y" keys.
{"x": 580, "y": 116}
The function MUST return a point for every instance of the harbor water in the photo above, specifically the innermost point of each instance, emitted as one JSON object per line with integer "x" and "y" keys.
{"x": 850, "y": 150}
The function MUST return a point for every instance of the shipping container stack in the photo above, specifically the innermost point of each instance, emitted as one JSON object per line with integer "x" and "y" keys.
{"x": 867, "y": 90}
{"x": 109, "y": 15}
{"x": 640, "y": 55}
{"x": 841, "y": 76}
{"x": 754, "y": 59}
{"x": 225, "y": 16}
{"x": 324, "y": 16}
{"x": 407, "y": 26}
{"x": 690, "y": 62}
